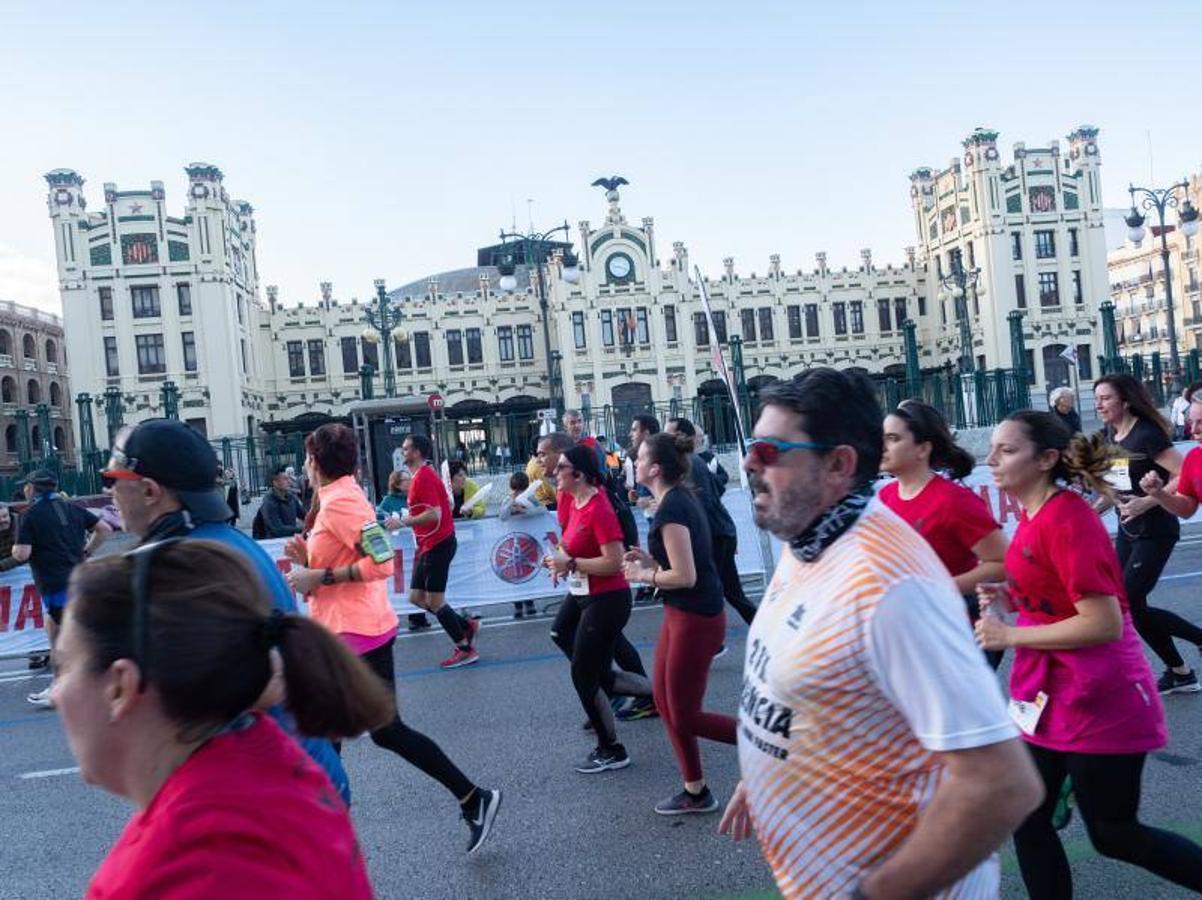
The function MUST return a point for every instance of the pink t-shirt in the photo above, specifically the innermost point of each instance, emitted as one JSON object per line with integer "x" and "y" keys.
{"x": 1101, "y": 699}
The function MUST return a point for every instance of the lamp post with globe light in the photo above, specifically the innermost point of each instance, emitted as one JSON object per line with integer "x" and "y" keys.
{"x": 536, "y": 249}
{"x": 1161, "y": 200}
{"x": 955, "y": 287}
{"x": 384, "y": 326}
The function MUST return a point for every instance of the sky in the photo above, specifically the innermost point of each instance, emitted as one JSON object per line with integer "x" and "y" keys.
{"x": 390, "y": 140}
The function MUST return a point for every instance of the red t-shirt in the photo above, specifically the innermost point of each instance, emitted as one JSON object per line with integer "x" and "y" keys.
{"x": 247, "y": 816}
{"x": 427, "y": 491}
{"x": 1102, "y": 698}
{"x": 589, "y": 527}
{"x": 952, "y": 518}
{"x": 1189, "y": 480}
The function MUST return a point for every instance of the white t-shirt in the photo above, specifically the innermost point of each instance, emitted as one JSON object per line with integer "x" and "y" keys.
{"x": 860, "y": 668}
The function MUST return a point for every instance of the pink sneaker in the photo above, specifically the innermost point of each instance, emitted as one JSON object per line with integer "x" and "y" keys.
{"x": 461, "y": 658}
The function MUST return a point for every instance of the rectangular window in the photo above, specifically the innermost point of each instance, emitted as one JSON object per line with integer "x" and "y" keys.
{"x": 942, "y": 312}
{"x": 317, "y": 356}
{"x": 241, "y": 312}
{"x": 151, "y": 359}
{"x": 1020, "y": 291}
{"x": 245, "y": 358}
{"x": 701, "y": 330}
{"x": 972, "y": 256}
{"x": 625, "y": 326}
{"x": 670, "y": 324}
{"x": 106, "y": 304}
{"x": 1049, "y": 289}
{"x": 794, "y": 317}
{"x": 1074, "y": 249}
{"x": 840, "y": 316}
{"x": 1084, "y": 362}
{"x": 371, "y": 355}
{"x": 899, "y": 311}
{"x": 812, "y": 320}
{"x": 525, "y": 342}
{"x": 455, "y": 347}
{"x": 748, "y": 319}
{"x": 922, "y": 306}
{"x": 720, "y": 327}
{"x": 404, "y": 354}
{"x": 505, "y": 343}
{"x": 1030, "y": 354}
{"x": 189, "y": 339}
{"x": 579, "y": 335}
{"x": 1045, "y": 245}
{"x": 1078, "y": 297}
{"x": 421, "y": 349}
{"x": 350, "y": 356}
{"x": 145, "y": 300}
{"x": 857, "y": 317}
{"x": 296, "y": 359}
{"x": 883, "y": 315}
{"x": 641, "y": 326}
{"x": 475, "y": 347}
{"x": 607, "y": 327}
{"x": 1016, "y": 245}
{"x": 766, "y": 329}
{"x": 183, "y": 295}
{"x": 112, "y": 364}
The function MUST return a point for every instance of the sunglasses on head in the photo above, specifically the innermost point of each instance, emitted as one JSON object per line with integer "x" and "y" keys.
{"x": 768, "y": 451}
{"x": 139, "y": 589}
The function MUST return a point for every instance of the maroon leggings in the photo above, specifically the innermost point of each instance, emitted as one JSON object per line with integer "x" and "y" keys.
{"x": 687, "y": 644}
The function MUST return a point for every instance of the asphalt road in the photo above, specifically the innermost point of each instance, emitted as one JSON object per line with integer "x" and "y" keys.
{"x": 513, "y": 722}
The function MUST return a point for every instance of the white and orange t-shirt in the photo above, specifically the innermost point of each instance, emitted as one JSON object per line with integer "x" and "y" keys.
{"x": 860, "y": 667}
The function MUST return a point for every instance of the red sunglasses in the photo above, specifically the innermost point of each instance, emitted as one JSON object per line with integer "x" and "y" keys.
{"x": 768, "y": 451}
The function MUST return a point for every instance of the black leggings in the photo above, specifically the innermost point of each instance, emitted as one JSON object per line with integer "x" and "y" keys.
{"x": 586, "y": 632}
{"x": 1107, "y": 792}
{"x": 413, "y": 746}
{"x": 1143, "y": 559}
{"x": 725, "y": 549}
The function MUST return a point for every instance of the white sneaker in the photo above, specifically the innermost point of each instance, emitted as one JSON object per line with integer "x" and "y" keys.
{"x": 41, "y": 699}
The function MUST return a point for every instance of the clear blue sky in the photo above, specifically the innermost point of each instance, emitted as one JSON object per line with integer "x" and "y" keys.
{"x": 392, "y": 139}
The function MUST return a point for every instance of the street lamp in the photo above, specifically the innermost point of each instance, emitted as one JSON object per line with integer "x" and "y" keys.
{"x": 1161, "y": 200}
{"x": 955, "y": 286}
{"x": 384, "y": 326}
{"x": 535, "y": 250}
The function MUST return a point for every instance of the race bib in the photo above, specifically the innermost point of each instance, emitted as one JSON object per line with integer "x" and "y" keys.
{"x": 1119, "y": 476}
{"x": 577, "y": 584}
{"x": 1026, "y": 713}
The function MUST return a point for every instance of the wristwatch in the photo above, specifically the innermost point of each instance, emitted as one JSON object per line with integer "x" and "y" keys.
{"x": 327, "y": 577}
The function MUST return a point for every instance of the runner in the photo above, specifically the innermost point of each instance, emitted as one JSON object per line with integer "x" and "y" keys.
{"x": 954, "y": 520}
{"x": 1082, "y": 690}
{"x": 1147, "y": 532}
{"x": 434, "y": 531}
{"x": 877, "y": 756}
{"x": 166, "y": 654}
{"x": 344, "y": 573}
{"x": 681, "y": 567}
{"x": 592, "y": 615}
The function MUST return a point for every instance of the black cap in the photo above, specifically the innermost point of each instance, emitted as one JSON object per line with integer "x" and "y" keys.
{"x": 43, "y": 479}
{"x": 179, "y": 458}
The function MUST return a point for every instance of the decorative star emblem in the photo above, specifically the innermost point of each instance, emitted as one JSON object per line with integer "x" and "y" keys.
{"x": 135, "y": 208}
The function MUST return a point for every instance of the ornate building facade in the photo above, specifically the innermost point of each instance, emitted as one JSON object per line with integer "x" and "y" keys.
{"x": 35, "y": 391}
{"x": 629, "y": 331}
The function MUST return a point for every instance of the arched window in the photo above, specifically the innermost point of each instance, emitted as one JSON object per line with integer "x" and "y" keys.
{"x": 8, "y": 389}
{"x": 51, "y": 351}
{"x": 10, "y": 439}
{"x": 29, "y": 347}
{"x": 60, "y": 439}
{"x": 56, "y": 394}
{"x": 33, "y": 392}
{"x": 6, "y": 342}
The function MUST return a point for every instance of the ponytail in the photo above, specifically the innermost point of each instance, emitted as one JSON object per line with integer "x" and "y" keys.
{"x": 1084, "y": 459}
{"x": 927, "y": 426}
{"x": 671, "y": 453}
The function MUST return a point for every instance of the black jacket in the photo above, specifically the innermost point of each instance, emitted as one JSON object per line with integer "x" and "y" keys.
{"x": 283, "y": 516}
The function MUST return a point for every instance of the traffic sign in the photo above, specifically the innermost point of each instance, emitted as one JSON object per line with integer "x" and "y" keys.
{"x": 435, "y": 402}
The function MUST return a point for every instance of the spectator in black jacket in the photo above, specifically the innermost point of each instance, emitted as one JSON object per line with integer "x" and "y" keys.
{"x": 283, "y": 514}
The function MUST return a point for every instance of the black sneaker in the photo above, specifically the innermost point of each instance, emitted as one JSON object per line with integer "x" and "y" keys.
{"x": 602, "y": 760}
{"x": 39, "y": 661}
{"x": 480, "y": 824}
{"x": 1172, "y": 683}
{"x": 685, "y": 803}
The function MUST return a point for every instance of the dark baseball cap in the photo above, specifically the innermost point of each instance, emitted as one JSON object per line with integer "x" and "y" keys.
{"x": 177, "y": 457}
{"x": 40, "y": 478}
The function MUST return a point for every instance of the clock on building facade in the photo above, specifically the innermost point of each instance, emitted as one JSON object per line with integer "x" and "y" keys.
{"x": 619, "y": 268}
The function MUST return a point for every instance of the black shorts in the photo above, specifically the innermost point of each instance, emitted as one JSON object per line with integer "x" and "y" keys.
{"x": 430, "y": 569}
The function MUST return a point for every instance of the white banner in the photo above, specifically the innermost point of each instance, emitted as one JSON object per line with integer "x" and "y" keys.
{"x": 497, "y": 562}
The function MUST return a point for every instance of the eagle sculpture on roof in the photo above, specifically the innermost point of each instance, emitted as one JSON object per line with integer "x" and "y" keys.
{"x": 610, "y": 184}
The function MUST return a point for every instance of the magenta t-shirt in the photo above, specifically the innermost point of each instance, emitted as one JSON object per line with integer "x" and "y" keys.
{"x": 1101, "y": 699}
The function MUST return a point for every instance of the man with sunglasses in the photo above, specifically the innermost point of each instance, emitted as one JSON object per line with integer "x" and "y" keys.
{"x": 53, "y": 536}
{"x": 162, "y": 475}
{"x": 877, "y": 756}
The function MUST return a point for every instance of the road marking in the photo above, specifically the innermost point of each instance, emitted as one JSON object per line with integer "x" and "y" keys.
{"x": 49, "y": 773}
{"x": 1181, "y": 576}
{"x": 13, "y": 677}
